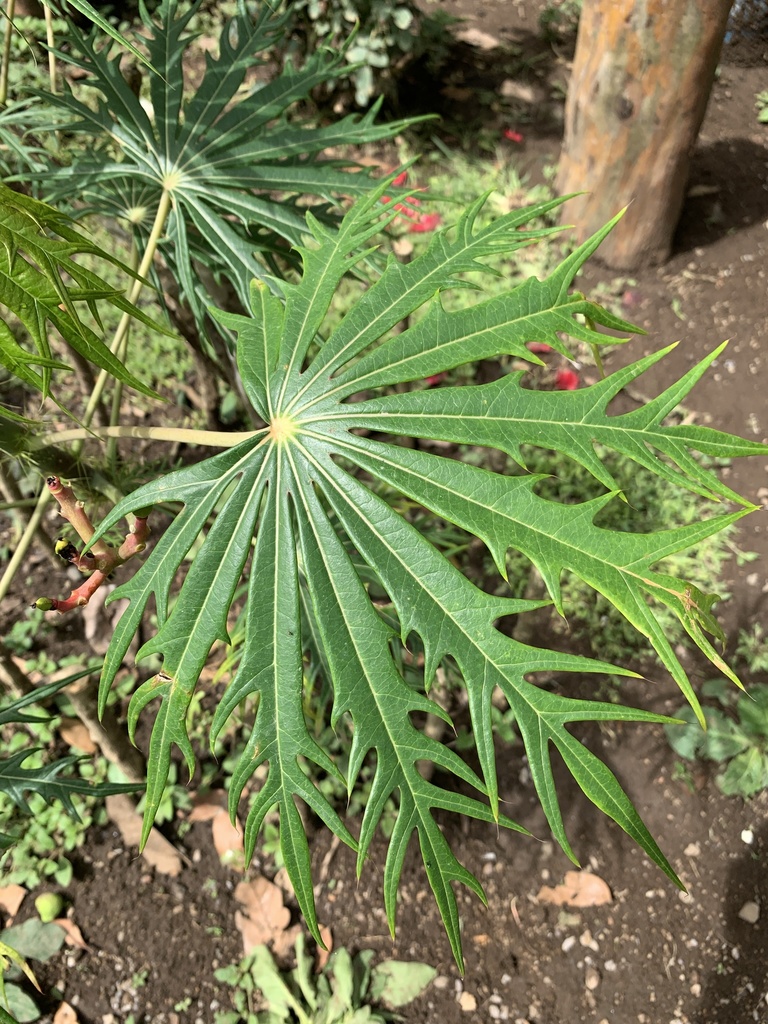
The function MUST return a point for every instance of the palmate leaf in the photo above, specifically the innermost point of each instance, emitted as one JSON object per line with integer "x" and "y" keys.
{"x": 233, "y": 163}
{"x": 43, "y": 286}
{"x": 47, "y": 780}
{"x": 306, "y": 486}
{"x": 93, "y": 15}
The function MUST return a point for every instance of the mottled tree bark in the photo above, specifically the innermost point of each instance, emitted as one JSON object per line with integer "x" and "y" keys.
{"x": 642, "y": 75}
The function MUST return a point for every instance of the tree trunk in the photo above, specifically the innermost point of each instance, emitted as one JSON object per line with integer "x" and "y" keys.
{"x": 642, "y": 75}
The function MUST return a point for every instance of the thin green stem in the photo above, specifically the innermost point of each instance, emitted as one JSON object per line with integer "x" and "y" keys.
{"x": 14, "y": 503}
{"x": 18, "y": 556}
{"x": 161, "y": 216}
{"x": 10, "y": 11}
{"x": 596, "y": 354}
{"x": 208, "y": 438}
{"x": 49, "y": 38}
{"x": 117, "y": 394}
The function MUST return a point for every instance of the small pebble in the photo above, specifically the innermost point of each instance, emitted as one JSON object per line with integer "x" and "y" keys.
{"x": 467, "y": 1002}
{"x": 591, "y": 979}
{"x": 587, "y": 941}
{"x": 750, "y": 912}
{"x": 693, "y": 849}
{"x": 610, "y": 965}
{"x": 568, "y": 943}
{"x": 748, "y": 836}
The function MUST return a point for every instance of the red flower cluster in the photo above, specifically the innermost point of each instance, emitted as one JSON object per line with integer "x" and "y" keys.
{"x": 566, "y": 380}
{"x": 420, "y": 222}
{"x": 512, "y": 135}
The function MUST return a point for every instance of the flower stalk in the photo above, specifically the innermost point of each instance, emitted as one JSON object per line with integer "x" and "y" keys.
{"x": 100, "y": 561}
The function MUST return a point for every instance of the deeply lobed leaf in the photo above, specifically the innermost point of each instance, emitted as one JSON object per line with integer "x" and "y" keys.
{"x": 306, "y": 486}
{"x": 226, "y": 150}
{"x": 42, "y": 285}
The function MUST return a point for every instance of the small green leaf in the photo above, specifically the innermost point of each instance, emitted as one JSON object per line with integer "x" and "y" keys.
{"x": 34, "y": 939}
{"x": 752, "y": 710}
{"x": 397, "y": 982}
{"x": 723, "y": 738}
{"x": 402, "y": 17}
{"x": 49, "y": 906}
{"x": 686, "y": 740}
{"x": 745, "y": 775}
{"x": 23, "y": 1009}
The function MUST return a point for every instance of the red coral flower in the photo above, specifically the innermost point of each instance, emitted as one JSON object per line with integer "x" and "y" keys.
{"x": 434, "y": 379}
{"x": 566, "y": 380}
{"x": 539, "y": 347}
{"x": 425, "y": 222}
{"x": 400, "y": 179}
{"x": 512, "y": 135}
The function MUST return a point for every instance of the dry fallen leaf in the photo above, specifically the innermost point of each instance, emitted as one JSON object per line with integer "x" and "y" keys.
{"x": 72, "y": 934}
{"x": 580, "y": 889}
{"x": 322, "y": 955}
{"x": 11, "y": 897}
{"x": 74, "y": 733}
{"x": 208, "y": 806}
{"x": 158, "y": 852}
{"x": 283, "y": 944}
{"x": 282, "y": 878}
{"x": 228, "y": 841}
{"x": 65, "y": 1015}
{"x": 266, "y": 919}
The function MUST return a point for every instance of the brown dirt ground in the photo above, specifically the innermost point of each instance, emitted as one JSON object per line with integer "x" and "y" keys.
{"x": 653, "y": 955}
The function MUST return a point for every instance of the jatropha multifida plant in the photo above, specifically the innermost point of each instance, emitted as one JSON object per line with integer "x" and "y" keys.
{"x": 296, "y": 507}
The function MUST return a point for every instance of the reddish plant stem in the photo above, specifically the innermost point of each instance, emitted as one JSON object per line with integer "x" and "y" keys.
{"x": 101, "y": 560}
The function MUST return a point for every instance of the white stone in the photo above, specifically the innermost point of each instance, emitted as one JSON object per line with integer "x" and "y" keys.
{"x": 476, "y": 37}
{"x": 750, "y": 912}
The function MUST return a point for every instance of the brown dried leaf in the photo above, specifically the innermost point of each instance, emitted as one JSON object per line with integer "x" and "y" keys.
{"x": 284, "y": 943}
{"x": 65, "y": 1015}
{"x": 11, "y": 897}
{"x": 228, "y": 841}
{"x": 266, "y": 918}
{"x": 74, "y": 733}
{"x": 158, "y": 852}
{"x": 72, "y": 934}
{"x": 322, "y": 955}
{"x": 208, "y": 806}
{"x": 283, "y": 879}
{"x": 580, "y": 889}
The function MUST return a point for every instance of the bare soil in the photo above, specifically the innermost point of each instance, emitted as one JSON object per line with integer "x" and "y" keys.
{"x": 653, "y": 955}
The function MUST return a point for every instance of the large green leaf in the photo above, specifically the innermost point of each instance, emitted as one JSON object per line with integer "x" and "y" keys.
{"x": 226, "y": 150}
{"x": 43, "y": 286}
{"x": 47, "y": 780}
{"x": 310, "y": 485}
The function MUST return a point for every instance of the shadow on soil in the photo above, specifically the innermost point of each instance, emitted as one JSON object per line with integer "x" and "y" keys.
{"x": 736, "y": 991}
{"x": 723, "y": 175}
